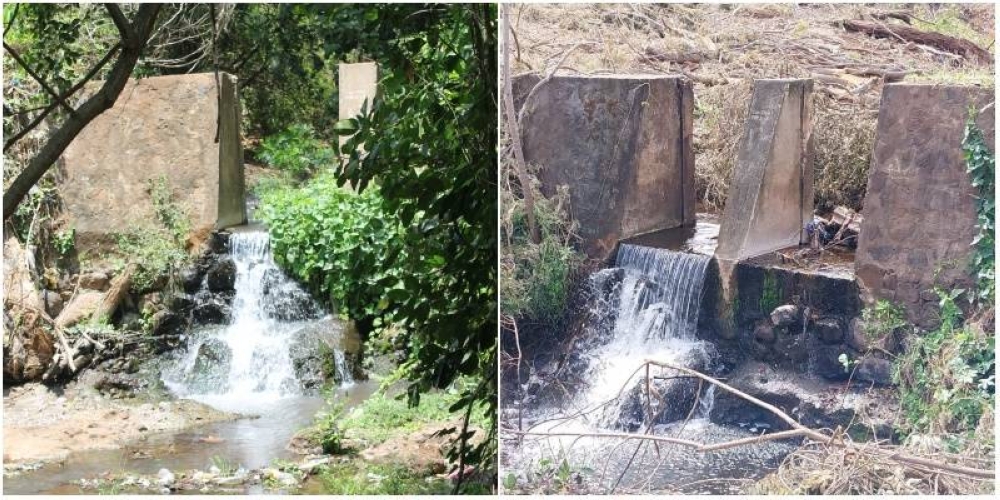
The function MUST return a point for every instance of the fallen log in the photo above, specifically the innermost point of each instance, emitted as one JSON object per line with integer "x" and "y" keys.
{"x": 939, "y": 41}
{"x": 116, "y": 293}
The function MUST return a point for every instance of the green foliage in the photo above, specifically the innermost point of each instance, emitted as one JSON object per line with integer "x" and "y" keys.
{"x": 226, "y": 466}
{"x": 64, "y": 241}
{"x": 947, "y": 377}
{"x": 981, "y": 164}
{"x": 296, "y": 150}
{"x": 377, "y": 479}
{"x": 430, "y": 145}
{"x": 770, "y": 295}
{"x": 883, "y": 319}
{"x": 157, "y": 249}
{"x": 329, "y": 432}
{"x": 341, "y": 244}
{"x": 382, "y": 416}
{"x": 536, "y": 278}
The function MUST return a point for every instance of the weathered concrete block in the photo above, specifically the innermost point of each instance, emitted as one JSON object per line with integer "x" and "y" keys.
{"x": 179, "y": 128}
{"x": 771, "y": 193}
{"x": 920, "y": 215}
{"x": 622, "y": 145}
{"x": 357, "y": 83}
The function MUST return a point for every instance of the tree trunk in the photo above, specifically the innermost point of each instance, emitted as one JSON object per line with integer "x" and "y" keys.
{"x": 134, "y": 37}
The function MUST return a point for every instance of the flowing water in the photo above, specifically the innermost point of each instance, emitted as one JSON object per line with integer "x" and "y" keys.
{"x": 246, "y": 366}
{"x": 644, "y": 308}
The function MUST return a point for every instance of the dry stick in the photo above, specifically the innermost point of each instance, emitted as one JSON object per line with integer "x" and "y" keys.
{"x": 514, "y": 130}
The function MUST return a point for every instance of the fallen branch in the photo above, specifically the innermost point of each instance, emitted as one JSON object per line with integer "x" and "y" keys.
{"x": 940, "y": 41}
{"x": 797, "y": 430}
{"x": 116, "y": 293}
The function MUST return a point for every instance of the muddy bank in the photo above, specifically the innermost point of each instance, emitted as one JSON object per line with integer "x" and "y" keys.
{"x": 43, "y": 424}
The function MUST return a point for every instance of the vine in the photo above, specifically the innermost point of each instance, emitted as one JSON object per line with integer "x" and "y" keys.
{"x": 980, "y": 164}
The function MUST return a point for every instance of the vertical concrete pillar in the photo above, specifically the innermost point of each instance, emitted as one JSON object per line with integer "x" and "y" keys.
{"x": 621, "y": 144}
{"x": 920, "y": 212}
{"x": 180, "y": 129}
{"x": 771, "y": 192}
{"x": 356, "y": 83}
{"x": 232, "y": 185}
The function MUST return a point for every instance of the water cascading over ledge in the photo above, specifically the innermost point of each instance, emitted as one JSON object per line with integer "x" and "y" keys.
{"x": 260, "y": 355}
{"x": 646, "y": 307}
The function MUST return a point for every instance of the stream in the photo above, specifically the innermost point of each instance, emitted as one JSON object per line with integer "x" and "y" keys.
{"x": 252, "y": 366}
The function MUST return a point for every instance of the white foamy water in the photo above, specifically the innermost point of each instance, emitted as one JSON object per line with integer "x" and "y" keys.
{"x": 656, "y": 317}
{"x": 247, "y": 363}
{"x": 646, "y": 308}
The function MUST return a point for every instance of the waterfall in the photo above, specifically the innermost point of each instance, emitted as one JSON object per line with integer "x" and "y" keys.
{"x": 655, "y": 306}
{"x": 250, "y": 359}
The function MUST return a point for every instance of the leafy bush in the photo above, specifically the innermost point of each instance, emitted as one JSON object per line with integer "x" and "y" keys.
{"x": 157, "y": 249}
{"x": 343, "y": 245}
{"x": 946, "y": 377}
{"x": 296, "y": 150}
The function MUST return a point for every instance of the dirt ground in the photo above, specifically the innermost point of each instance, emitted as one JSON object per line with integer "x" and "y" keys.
{"x": 40, "y": 425}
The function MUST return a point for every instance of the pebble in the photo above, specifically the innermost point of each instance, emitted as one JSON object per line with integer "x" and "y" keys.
{"x": 164, "y": 477}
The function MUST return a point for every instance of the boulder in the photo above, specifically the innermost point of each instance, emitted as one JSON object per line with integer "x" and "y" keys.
{"x": 828, "y": 330}
{"x": 28, "y": 348}
{"x": 875, "y": 370}
{"x": 167, "y": 323}
{"x": 53, "y": 302}
{"x": 857, "y": 337}
{"x": 215, "y": 310}
{"x": 190, "y": 278}
{"x": 222, "y": 275}
{"x": 95, "y": 281}
{"x": 81, "y": 308}
{"x": 825, "y": 361}
{"x": 764, "y": 333}
{"x": 182, "y": 303}
{"x": 786, "y": 316}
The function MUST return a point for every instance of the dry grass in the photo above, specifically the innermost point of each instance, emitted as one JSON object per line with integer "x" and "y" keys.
{"x": 738, "y": 43}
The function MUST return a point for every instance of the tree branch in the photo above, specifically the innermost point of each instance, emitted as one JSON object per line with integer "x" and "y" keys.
{"x": 51, "y": 107}
{"x": 104, "y": 99}
{"x": 124, "y": 28}
{"x": 41, "y": 81}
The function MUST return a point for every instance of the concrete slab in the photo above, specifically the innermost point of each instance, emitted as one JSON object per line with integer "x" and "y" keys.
{"x": 166, "y": 127}
{"x": 622, "y": 145}
{"x": 356, "y": 83}
{"x": 919, "y": 209}
{"x": 771, "y": 193}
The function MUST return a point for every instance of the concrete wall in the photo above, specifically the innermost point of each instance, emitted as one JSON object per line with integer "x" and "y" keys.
{"x": 160, "y": 127}
{"x": 622, "y": 145}
{"x": 771, "y": 193}
{"x": 919, "y": 208}
{"x": 356, "y": 83}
